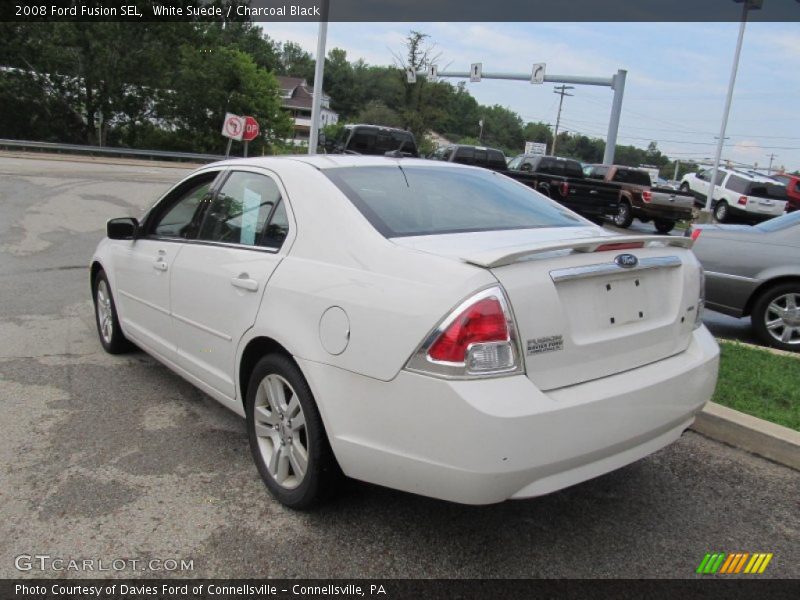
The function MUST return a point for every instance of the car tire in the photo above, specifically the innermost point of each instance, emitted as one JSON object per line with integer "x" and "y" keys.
{"x": 624, "y": 216}
{"x": 769, "y": 318}
{"x": 664, "y": 225}
{"x": 106, "y": 319}
{"x": 286, "y": 434}
{"x": 721, "y": 211}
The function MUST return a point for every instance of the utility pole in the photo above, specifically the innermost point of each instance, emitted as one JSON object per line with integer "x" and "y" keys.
{"x": 561, "y": 90}
{"x": 677, "y": 166}
{"x": 772, "y": 157}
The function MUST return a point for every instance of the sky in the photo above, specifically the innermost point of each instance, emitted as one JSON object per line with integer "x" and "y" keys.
{"x": 675, "y": 91}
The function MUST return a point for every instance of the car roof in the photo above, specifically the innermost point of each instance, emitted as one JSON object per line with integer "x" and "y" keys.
{"x": 332, "y": 161}
{"x": 380, "y": 127}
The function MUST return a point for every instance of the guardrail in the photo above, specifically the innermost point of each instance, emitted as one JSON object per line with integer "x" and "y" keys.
{"x": 105, "y": 150}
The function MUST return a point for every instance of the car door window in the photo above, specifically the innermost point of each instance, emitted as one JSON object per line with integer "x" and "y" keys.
{"x": 704, "y": 175}
{"x": 240, "y": 212}
{"x": 180, "y": 215}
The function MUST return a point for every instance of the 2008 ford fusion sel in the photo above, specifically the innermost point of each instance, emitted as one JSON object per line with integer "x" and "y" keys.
{"x": 426, "y": 326}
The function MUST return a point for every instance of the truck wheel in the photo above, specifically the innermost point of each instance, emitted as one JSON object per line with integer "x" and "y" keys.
{"x": 664, "y": 225}
{"x": 776, "y": 316}
{"x": 624, "y": 216}
{"x": 721, "y": 211}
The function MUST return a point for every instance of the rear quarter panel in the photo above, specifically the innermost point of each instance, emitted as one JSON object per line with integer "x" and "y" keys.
{"x": 393, "y": 296}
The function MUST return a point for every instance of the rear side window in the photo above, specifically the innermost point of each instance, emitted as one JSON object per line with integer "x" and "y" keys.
{"x": 407, "y": 201}
{"x": 633, "y": 176}
{"x": 496, "y": 160}
{"x": 240, "y": 212}
{"x": 464, "y": 155}
{"x": 737, "y": 184}
{"x": 762, "y": 189}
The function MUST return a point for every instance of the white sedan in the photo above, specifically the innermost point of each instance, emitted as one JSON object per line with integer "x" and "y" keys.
{"x": 426, "y": 326}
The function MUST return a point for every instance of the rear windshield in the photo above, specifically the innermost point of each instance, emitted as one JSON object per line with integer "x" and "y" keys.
{"x": 633, "y": 176}
{"x": 760, "y": 189}
{"x": 565, "y": 168}
{"x": 404, "y": 201}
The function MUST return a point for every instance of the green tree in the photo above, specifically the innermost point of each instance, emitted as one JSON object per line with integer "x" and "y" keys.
{"x": 377, "y": 113}
{"x": 296, "y": 62}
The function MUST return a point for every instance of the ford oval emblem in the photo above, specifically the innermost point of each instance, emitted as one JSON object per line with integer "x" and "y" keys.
{"x": 626, "y": 261}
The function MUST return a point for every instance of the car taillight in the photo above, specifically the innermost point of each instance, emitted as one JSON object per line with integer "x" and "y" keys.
{"x": 696, "y": 234}
{"x": 564, "y": 188}
{"x": 742, "y": 200}
{"x": 647, "y": 195}
{"x": 482, "y": 323}
{"x": 476, "y": 339}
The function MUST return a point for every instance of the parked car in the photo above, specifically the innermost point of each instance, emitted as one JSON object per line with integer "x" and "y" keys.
{"x": 426, "y": 326}
{"x": 478, "y": 156}
{"x": 638, "y": 199}
{"x": 373, "y": 140}
{"x": 562, "y": 179}
{"x": 755, "y": 272}
{"x": 738, "y": 196}
{"x": 792, "y": 183}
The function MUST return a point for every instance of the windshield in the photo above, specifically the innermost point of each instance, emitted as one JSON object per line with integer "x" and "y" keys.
{"x": 789, "y": 220}
{"x": 404, "y": 201}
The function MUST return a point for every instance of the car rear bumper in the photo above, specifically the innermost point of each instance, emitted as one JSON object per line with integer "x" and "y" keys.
{"x": 479, "y": 442}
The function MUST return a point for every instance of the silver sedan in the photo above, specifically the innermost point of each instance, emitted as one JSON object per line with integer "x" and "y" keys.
{"x": 755, "y": 271}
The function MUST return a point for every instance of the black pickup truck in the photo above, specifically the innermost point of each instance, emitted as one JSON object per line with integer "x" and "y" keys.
{"x": 563, "y": 180}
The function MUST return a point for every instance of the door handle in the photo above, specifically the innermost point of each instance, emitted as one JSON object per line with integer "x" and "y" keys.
{"x": 244, "y": 283}
{"x": 160, "y": 265}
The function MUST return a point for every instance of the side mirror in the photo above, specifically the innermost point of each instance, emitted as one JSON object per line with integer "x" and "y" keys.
{"x": 123, "y": 228}
{"x": 525, "y": 167}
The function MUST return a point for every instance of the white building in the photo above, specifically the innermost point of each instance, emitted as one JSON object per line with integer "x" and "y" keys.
{"x": 296, "y": 98}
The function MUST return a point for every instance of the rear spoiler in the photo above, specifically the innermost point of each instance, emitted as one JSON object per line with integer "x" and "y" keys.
{"x": 506, "y": 256}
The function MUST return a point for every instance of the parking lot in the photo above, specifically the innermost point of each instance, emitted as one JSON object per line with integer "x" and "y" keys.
{"x": 117, "y": 457}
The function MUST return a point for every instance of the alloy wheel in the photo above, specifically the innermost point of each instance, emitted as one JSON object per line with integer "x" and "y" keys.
{"x": 782, "y": 318}
{"x": 280, "y": 427}
{"x": 104, "y": 313}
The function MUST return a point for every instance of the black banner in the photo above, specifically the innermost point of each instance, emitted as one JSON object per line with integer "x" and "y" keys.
{"x": 283, "y": 589}
{"x": 400, "y": 10}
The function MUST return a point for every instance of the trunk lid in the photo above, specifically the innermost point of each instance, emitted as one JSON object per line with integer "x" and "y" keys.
{"x": 581, "y": 315}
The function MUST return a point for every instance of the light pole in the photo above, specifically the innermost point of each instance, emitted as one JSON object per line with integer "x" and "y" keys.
{"x": 705, "y": 214}
{"x": 319, "y": 69}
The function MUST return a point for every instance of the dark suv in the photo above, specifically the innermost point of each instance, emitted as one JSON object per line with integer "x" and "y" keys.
{"x": 373, "y": 140}
{"x": 479, "y": 156}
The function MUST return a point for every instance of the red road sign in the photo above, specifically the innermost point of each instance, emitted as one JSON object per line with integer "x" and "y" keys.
{"x": 251, "y": 129}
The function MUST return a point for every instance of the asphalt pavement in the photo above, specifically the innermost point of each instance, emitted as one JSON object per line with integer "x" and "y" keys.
{"x": 108, "y": 457}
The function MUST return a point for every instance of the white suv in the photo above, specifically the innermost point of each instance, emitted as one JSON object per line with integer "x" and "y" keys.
{"x": 738, "y": 195}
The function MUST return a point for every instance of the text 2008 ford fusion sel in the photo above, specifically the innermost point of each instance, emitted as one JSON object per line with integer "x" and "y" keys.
{"x": 431, "y": 327}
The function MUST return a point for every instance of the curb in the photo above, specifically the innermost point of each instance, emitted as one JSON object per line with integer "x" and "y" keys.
{"x": 737, "y": 429}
